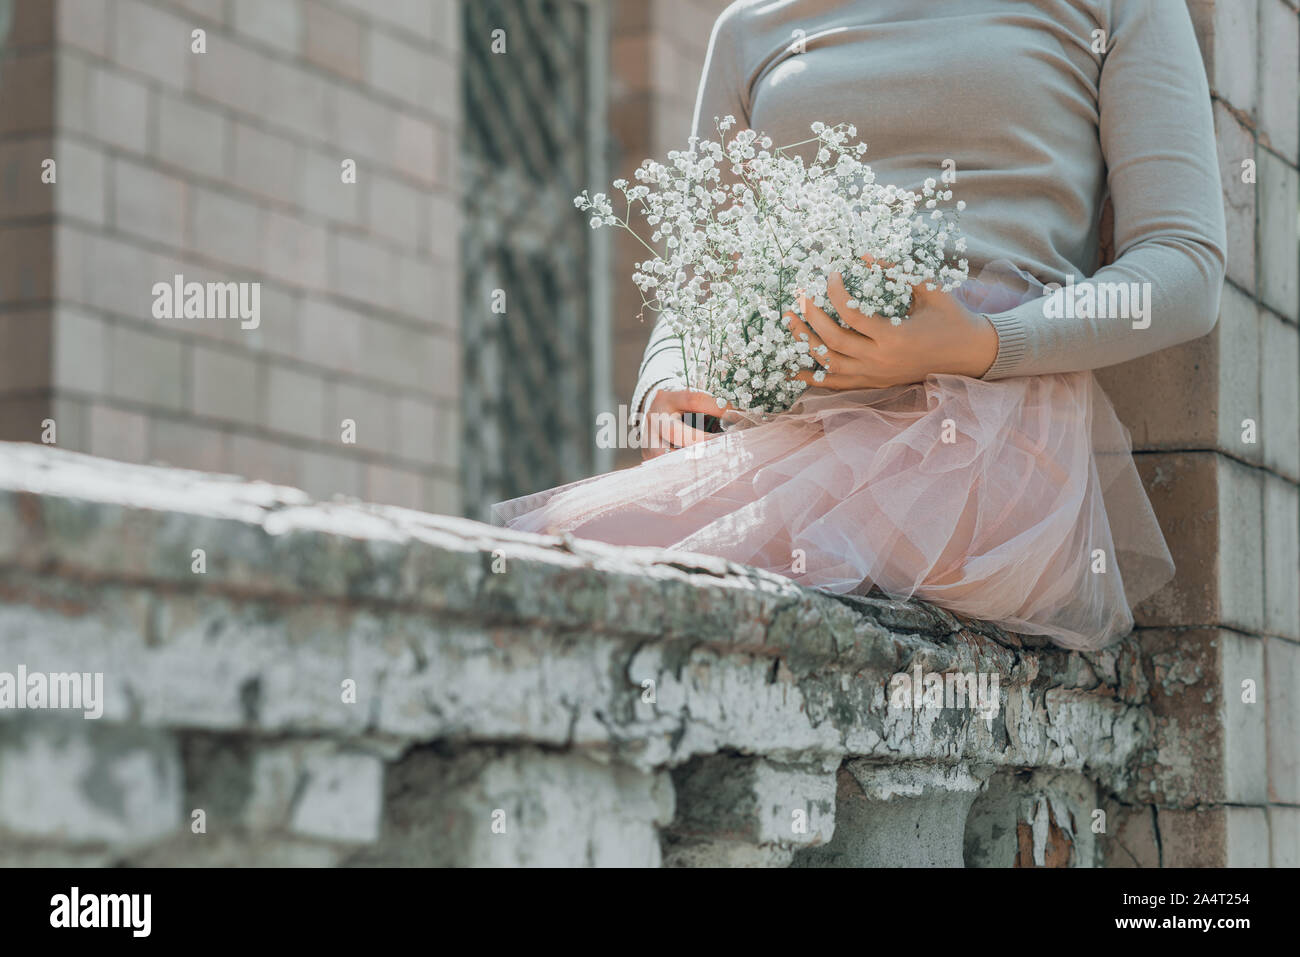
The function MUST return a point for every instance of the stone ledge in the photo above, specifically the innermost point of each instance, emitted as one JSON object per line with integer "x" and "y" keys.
{"x": 464, "y": 637}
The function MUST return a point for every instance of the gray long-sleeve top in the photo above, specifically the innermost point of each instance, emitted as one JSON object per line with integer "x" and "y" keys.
{"x": 1037, "y": 125}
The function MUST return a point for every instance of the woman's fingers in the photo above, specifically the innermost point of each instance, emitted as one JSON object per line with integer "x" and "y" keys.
{"x": 847, "y": 342}
{"x": 679, "y": 434}
{"x": 668, "y": 432}
{"x": 867, "y": 325}
{"x": 839, "y": 383}
{"x": 691, "y": 400}
{"x": 800, "y": 330}
{"x": 823, "y": 354}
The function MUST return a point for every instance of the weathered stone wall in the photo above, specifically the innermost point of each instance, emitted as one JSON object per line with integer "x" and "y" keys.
{"x": 503, "y": 677}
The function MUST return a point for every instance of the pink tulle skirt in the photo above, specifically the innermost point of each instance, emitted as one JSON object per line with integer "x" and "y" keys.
{"x": 1013, "y": 501}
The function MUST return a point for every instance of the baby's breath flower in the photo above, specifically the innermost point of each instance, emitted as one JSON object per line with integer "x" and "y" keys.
{"x": 737, "y": 256}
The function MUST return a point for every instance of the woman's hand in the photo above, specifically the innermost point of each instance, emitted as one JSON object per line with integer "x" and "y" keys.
{"x": 939, "y": 335}
{"x": 664, "y": 428}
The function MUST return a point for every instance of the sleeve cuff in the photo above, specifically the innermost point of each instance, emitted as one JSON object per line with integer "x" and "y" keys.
{"x": 1013, "y": 343}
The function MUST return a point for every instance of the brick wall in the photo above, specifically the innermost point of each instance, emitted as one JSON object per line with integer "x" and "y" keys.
{"x": 226, "y": 166}
{"x": 1230, "y": 508}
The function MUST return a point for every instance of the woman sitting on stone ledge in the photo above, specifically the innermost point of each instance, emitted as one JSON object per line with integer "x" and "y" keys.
{"x": 967, "y": 456}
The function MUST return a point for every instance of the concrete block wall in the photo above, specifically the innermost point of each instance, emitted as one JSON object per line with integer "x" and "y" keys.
{"x": 1216, "y": 423}
{"x": 226, "y": 166}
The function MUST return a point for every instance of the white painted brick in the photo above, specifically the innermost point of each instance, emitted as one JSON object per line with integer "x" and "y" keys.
{"x": 1245, "y": 724}
{"x": 416, "y": 430}
{"x": 1241, "y": 562}
{"x": 1237, "y": 340}
{"x": 1235, "y": 145}
{"x": 395, "y": 210}
{"x": 1281, "y": 557}
{"x": 224, "y": 385}
{"x": 234, "y": 75}
{"x": 416, "y": 293}
{"x": 331, "y": 336}
{"x": 443, "y": 495}
{"x": 80, "y": 345}
{"x": 72, "y": 417}
{"x": 1279, "y": 284}
{"x": 279, "y": 24}
{"x": 191, "y": 136}
{"x": 333, "y": 40}
{"x": 444, "y": 227}
{"x": 72, "y": 99}
{"x": 325, "y": 475}
{"x": 1283, "y": 662}
{"x": 79, "y": 190}
{"x": 1279, "y": 80}
{"x": 225, "y": 229}
{"x": 1280, "y": 395}
{"x": 391, "y": 486}
{"x": 147, "y": 203}
{"x": 321, "y": 190}
{"x": 372, "y": 411}
{"x": 119, "y": 109}
{"x": 447, "y": 435}
{"x": 401, "y": 69}
{"x": 153, "y": 41}
{"x": 83, "y": 24}
{"x": 278, "y": 331}
{"x": 396, "y": 352}
{"x": 446, "y": 25}
{"x": 413, "y": 16}
{"x": 116, "y": 434}
{"x": 146, "y": 367}
{"x": 361, "y": 270}
{"x": 294, "y": 402}
{"x": 265, "y": 164}
{"x": 256, "y": 458}
{"x": 1229, "y": 38}
{"x": 182, "y": 443}
{"x": 362, "y": 128}
{"x": 414, "y": 148}
{"x": 293, "y": 250}
{"x": 296, "y": 99}
{"x": 119, "y": 276}
{"x": 1248, "y": 844}
{"x": 445, "y": 367}
{"x": 210, "y": 10}
{"x": 1284, "y": 834}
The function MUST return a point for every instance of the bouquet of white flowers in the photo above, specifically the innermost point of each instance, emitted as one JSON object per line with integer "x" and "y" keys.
{"x": 737, "y": 255}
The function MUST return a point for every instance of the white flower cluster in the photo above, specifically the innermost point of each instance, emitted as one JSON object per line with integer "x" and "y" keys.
{"x": 746, "y": 228}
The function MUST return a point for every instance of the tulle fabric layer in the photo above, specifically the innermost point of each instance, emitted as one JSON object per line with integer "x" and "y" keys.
{"x": 1013, "y": 501}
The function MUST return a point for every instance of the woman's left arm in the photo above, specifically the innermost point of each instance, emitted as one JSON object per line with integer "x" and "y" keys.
{"x": 1157, "y": 136}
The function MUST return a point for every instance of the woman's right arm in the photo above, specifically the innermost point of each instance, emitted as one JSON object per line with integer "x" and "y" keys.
{"x": 661, "y": 383}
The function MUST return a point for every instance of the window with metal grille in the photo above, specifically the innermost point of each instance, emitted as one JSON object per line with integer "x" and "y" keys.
{"x": 535, "y": 344}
